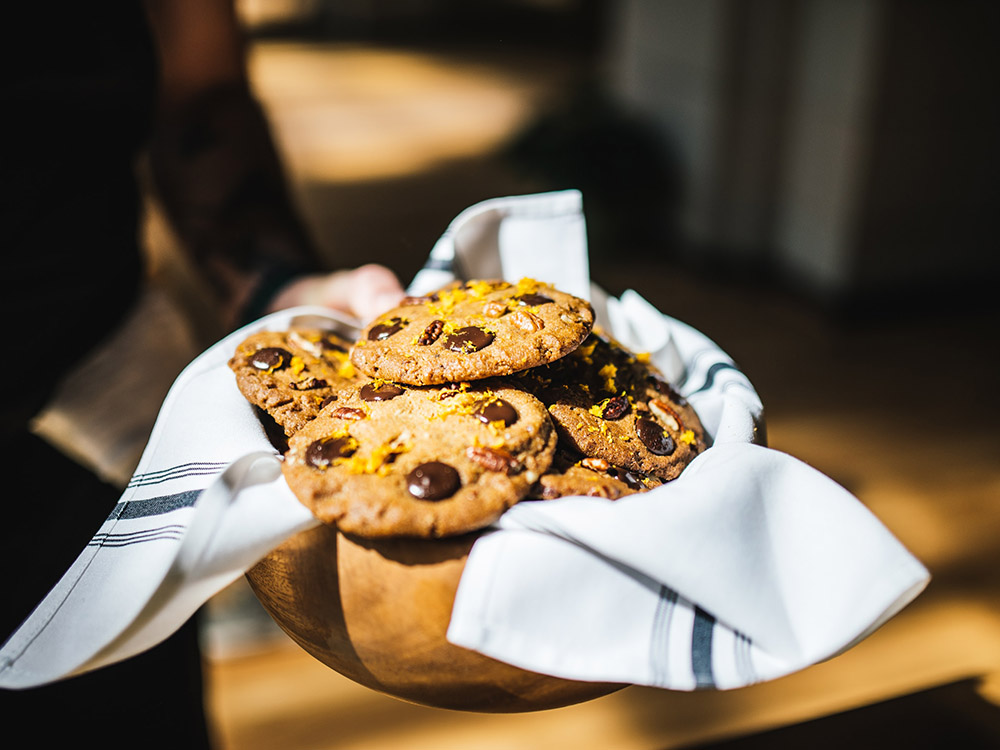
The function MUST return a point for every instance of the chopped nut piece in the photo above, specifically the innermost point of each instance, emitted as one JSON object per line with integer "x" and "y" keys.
{"x": 431, "y": 333}
{"x": 494, "y": 309}
{"x": 595, "y": 464}
{"x": 408, "y": 301}
{"x": 666, "y": 414}
{"x": 347, "y": 412}
{"x": 526, "y": 321}
{"x": 491, "y": 459}
{"x": 313, "y": 347}
{"x": 307, "y": 384}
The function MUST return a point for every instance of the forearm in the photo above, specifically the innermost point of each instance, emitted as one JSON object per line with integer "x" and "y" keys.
{"x": 220, "y": 181}
{"x": 214, "y": 164}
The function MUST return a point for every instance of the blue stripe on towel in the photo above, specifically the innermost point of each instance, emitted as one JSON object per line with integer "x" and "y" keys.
{"x": 154, "y": 506}
{"x": 701, "y": 648}
{"x": 712, "y": 372}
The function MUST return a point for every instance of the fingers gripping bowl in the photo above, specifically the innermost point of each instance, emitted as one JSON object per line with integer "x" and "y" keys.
{"x": 406, "y": 473}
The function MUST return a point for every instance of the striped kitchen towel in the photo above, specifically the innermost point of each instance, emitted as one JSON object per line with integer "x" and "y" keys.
{"x": 749, "y": 566}
{"x": 205, "y": 503}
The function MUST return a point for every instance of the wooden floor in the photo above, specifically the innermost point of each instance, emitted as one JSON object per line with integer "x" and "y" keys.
{"x": 903, "y": 411}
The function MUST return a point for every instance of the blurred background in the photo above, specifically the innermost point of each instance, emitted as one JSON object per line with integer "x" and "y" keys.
{"x": 805, "y": 182}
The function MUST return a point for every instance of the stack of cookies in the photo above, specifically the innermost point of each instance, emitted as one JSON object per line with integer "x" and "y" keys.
{"x": 452, "y": 407}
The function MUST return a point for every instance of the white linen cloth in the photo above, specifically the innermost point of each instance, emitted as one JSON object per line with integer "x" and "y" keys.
{"x": 749, "y": 566}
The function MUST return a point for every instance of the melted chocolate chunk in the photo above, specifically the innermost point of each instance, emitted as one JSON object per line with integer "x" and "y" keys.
{"x": 433, "y": 481}
{"x": 321, "y": 453}
{"x": 385, "y": 330}
{"x": 654, "y": 437}
{"x": 534, "y": 300}
{"x": 384, "y": 392}
{"x": 327, "y": 401}
{"x": 497, "y": 410}
{"x": 271, "y": 358}
{"x": 468, "y": 339}
{"x": 624, "y": 475}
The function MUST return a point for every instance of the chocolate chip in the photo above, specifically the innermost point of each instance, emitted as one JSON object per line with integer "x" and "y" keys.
{"x": 533, "y": 300}
{"x": 327, "y": 401}
{"x": 615, "y": 408}
{"x": 626, "y": 476}
{"x": 654, "y": 437}
{"x": 497, "y": 410}
{"x": 321, "y": 453}
{"x": 431, "y": 333}
{"x": 468, "y": 339}
{"x": 384, "y": 392}
{"x": 433, "y": 481}
{"x": 271, "y": 358}
{"x": 385, "y": 330}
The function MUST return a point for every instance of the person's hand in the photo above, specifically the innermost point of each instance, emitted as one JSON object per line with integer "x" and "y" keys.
{"x": 364, "y": 292}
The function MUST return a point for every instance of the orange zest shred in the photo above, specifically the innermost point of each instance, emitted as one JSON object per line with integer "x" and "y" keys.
{"x": 608, "y": 372}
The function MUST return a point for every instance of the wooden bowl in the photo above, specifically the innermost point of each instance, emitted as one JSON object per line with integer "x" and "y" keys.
{"x": 377, "y": 612}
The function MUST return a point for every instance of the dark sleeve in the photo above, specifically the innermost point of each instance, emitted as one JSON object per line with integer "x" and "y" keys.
{"x": 218, "y": 175}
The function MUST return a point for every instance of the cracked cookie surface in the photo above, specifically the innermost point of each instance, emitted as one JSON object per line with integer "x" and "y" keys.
{"x": 612, "y": 404}
{"x": 292, "y": 374}
{"x": 473, "y": 330}
{"x": 573, "y": 474}
{"x": 387, "y": 459}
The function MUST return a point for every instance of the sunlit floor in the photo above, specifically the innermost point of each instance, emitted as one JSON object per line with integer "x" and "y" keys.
{"x": 385, "y": 147}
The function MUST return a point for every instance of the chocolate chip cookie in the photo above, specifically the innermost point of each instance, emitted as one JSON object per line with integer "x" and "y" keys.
{"x": 388, "y": 459}
{"x": 292, "y": 374}
{"x": 609, "y": 403}
{"x": 473, "y": 330}
{"x": 573, "y": 474}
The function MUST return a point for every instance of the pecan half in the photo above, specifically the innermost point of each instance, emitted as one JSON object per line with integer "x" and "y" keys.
{"x": 431, "y": 333}
{"x": 491, "y": 459}
{"x": 526, "y": 321}
{"x": 348, "y": 412}
{"x": 595, "y": 464}
{"x": 666, "y": 414}
{"x": 494, "y": 309}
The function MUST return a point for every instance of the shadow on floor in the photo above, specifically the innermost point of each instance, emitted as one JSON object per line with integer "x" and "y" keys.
{"x": 953, "y": 715}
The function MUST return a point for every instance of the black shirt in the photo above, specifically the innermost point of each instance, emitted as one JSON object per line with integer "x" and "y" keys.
{"x": 79, "y": 97}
